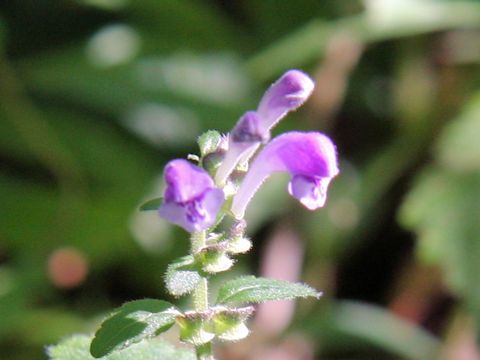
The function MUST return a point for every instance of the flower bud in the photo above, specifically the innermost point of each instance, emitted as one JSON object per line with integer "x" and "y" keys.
{"x": 212, "y": 161}
{"x": 210, "y": 142}
{"x": 194, "y": 329}
{"x": 239, "y": 245}
{"x": 247, "y": 130}
{"x": 285, "y": 95}
{"x": 229, "y": 324}
{"x": 214, "y": 259}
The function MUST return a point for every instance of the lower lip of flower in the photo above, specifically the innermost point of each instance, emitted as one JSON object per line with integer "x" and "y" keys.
{"x": 194, "y": 211}
{"x": 310, "y": 191}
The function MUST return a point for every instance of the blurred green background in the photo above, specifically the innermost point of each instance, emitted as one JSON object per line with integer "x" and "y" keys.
{"x": 96, "y": 95}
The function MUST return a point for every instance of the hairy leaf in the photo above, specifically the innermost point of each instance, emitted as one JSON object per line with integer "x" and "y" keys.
{"x": 181, "y": 277}
{"x": 249, "y": 289}
{"x": 76, "y": 348}
{"x": 132, "y": 323}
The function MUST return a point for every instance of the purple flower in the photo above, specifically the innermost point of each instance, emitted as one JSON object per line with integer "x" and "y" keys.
{"x": 253, "y": 128}
{"x": 248, "y": 130}
{"x": 286, "y": 94}
{"x": 311, "y": 160}
{"x": 191, "y": 199}
{"x": 243, "y": 140}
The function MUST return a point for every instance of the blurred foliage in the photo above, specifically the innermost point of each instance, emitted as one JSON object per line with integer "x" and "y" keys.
{"x": 444, "y": 210}
{"x": 76, "y": 348}
{"x": 96, "y": 95}
{"x": 348, "y": 320}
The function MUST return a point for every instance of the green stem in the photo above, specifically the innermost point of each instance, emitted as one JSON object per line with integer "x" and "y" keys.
{"x": 198, "y": 241}
{"x": 200, "y": 303}
{"x": 200, "y": 296}
{"x": 204, "y": 352}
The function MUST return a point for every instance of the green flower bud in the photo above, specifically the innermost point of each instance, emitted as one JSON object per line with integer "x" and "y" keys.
{"x": 210, "y": 142}
{"x": 235, "y": 333}
{"x": 229, "y": 324}
{"x": 215, "y": 261}
{"x": 238, "y": 243}
{"x": 194, "y": 329}
{"x": 212, "y": 161}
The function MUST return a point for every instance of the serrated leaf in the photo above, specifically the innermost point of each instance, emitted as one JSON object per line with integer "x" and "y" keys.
{"x": 208, "y": 142}
{"x": 250, "y": 289}
{"x": 153, "y": 204}
{"x": 132, "y": 323}
{"x": 76, "y": 348}
{"x": 181, "y": 277}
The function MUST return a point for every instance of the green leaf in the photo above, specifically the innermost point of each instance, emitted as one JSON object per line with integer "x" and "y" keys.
{"x": 133, "y": 322}
{"x": 181, "y": 277}
{"x": 390, "y": 331}
{"x": 209, "y": 141}
{"x": 249, "y": 289}
{"x": 153, "y": 204}
{"x": 76, "y": 348}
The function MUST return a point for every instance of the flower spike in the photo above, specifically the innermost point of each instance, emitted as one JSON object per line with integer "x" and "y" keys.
{"x": 311, "y": 160}
{"x": 191, "y": 199}
{"x": 285, "y": 95}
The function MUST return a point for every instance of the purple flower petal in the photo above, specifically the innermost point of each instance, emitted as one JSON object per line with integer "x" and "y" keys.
{"x": 253, "y": 128}
{"x": 242, "y": 140}
{"x": 191, "y": 200}
{"x": 310, "y": 191}
{"x": 300, "y": 153}
{"x": 185, "y": 181}
{"x": 311, "y": 160}
{"x": 286, "y": 94}
{"x": 248, "y": 129}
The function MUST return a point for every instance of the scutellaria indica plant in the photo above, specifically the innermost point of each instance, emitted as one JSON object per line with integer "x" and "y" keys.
{"x": 208, "y": 195}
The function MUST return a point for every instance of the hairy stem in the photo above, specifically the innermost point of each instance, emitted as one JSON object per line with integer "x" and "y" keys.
{"x": 200, "y": 296}
{"x": 204, "y": 352}
{"x": 198, "y": 241}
